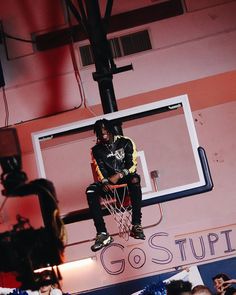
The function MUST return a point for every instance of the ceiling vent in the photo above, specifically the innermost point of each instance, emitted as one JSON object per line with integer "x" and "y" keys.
{"x": 120, "y": 46}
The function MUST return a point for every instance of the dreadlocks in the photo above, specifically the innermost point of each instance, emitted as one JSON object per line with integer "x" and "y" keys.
{"x": 103, "y": 123}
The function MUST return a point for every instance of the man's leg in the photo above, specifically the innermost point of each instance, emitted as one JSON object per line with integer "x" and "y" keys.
{"x": 135, "y": 192}
{"x": 93, "y": 197}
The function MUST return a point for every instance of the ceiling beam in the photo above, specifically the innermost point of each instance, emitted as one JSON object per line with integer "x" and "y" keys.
{"x": 117, "y": 23}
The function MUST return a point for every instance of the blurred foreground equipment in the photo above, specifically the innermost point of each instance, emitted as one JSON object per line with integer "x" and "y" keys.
{"x": 24, "y": 249}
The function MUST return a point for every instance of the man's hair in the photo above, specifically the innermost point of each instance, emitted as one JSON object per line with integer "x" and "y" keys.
{"x": 177, "y": 287}
{"x": 46, "y": 277}
{"x": 221, "y": 275}
{"x": 201, "y": 289}
{"x": 103, "y": 123}
{"x": 46, "y": 273}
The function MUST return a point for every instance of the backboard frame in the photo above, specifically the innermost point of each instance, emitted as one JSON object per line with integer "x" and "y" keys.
{"x": 203, "y": 185}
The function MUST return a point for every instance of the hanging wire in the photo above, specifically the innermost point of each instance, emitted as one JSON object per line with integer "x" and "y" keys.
{"x": 5, "y": 106}
{"x": 76, "y": 68}
{"x": 3, "y": 204}
{"x": 73, "y": 59}
{"x": 6, "y": 35}
{"x": 76, "y": 72}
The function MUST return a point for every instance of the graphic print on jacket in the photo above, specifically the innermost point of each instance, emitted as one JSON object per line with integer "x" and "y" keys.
{"x": 110, "y": 158}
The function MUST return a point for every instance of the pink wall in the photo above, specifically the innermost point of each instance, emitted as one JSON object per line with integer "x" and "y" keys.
{"x": 185, "y": 48}
{"x": 178, "y": 220}
{"x": 193, "y": 54}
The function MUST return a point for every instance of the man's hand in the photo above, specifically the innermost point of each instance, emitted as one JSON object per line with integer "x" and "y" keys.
{"x": 231, "y": 281}
{"x": 106, "y": 187}
{"x": 228, "y": 283}
{"x": 114, "y": 178}
{"x": 224, "y": 285}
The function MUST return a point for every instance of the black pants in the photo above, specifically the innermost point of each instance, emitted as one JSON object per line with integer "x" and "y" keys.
{"x": 94, "y": 193}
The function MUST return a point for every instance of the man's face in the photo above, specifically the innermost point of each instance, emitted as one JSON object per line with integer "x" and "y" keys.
{"x": 45, "y": 289}
{"x": 218, "y": 285}
{"x": 104, "y": 135}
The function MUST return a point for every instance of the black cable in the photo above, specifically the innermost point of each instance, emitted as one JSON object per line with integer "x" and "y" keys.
{"x": 74, "y": 63}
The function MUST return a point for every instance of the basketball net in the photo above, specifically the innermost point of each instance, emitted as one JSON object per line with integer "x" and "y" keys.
{"x": 117, "y": 202}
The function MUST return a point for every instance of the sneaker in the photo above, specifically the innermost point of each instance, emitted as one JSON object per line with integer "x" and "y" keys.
{"x": 137, "y": 232}
{"x": 102, "y": 239}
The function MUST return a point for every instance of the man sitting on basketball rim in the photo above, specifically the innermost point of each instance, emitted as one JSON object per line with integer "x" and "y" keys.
{"x": 115, "y": 160}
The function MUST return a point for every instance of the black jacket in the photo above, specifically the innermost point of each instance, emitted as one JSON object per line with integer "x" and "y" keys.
{"x": 120, "y": 156}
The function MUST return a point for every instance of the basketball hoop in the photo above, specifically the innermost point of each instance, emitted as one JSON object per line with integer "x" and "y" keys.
{"x": 117, "y": 202}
